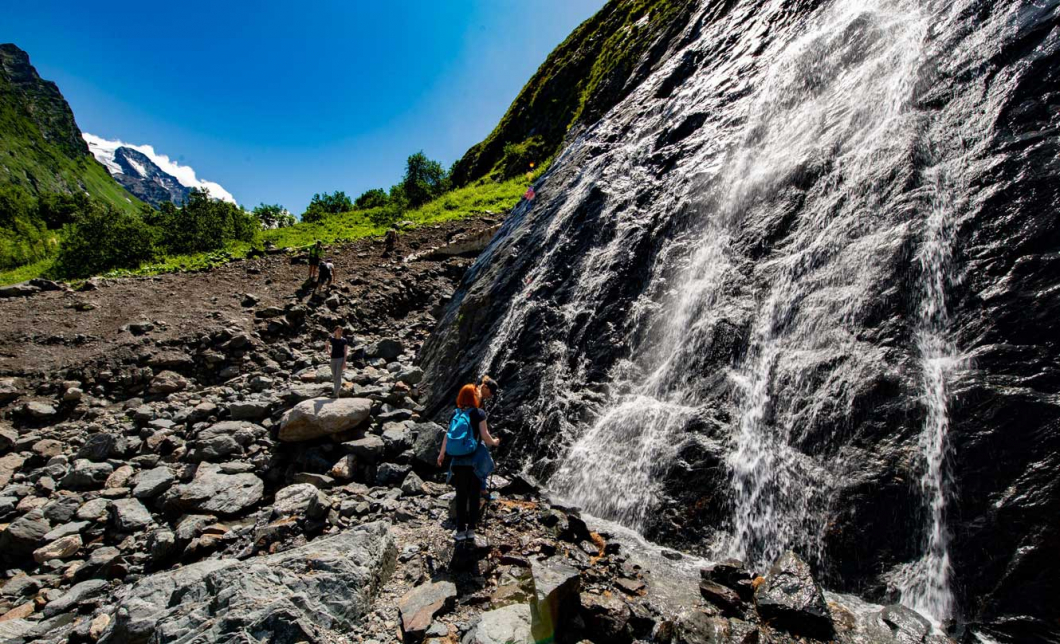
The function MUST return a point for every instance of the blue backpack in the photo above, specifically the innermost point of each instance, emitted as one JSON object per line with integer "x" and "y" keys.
{"x": 460, "y": 438}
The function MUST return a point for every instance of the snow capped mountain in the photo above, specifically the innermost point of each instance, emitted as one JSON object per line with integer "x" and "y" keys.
{"x": 152, "y": 177}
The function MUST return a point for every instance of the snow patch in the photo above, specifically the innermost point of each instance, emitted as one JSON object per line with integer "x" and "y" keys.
{"x": 104, "y": 151}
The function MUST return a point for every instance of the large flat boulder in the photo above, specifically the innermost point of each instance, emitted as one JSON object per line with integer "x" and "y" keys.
{"x": 322, "y": 417}
{"x": 314, "y": 593}
{"x": 555, "y": 601}
{"x": 212, "y": 491}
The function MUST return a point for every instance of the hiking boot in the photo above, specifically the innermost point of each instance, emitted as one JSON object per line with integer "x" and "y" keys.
{"x": 459, "y": 535}
{"x": 469, "y": 535}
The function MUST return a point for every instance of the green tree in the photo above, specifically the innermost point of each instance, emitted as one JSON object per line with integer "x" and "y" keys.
{"x": 24, "y": 237}
{"x": 273, "y": 216}
{"x": 324, "y": 205}
{"x": 374, "y": 198}
{"x": 104, "y": 238}
{"x": 203, "y": 224}
{"x": 424, "y": 180}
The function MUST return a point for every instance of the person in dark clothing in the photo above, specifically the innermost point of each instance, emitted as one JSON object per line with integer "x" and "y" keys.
{"x": 467, "y": 473}
{"x": 327, "y": 274}
{"x": 339, "y": 347}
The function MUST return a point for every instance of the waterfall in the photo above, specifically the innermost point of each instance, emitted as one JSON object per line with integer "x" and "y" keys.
{"x": 926, "y": 585}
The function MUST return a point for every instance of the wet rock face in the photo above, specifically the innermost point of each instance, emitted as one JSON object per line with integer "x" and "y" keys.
{"x": 790, "y": 598}
{"x": 815, "y": 294}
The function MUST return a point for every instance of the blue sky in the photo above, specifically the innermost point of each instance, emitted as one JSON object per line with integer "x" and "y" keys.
{"x": 276, "y": 101}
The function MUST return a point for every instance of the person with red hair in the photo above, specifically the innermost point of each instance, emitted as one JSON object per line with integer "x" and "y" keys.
{"x": 467, "y": 472}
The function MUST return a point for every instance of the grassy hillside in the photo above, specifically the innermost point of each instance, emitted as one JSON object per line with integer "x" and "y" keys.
{"x": 41, "y": 149}
{"x": 583, "y": 78}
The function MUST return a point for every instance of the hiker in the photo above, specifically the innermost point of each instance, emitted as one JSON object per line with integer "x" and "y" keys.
{"x": 339, "y": 346}
{"x": 391, "y": 241}
{"x": 315, "y": 253}
{"x": 327, "y": 274}
{"x": 466, "y": 442}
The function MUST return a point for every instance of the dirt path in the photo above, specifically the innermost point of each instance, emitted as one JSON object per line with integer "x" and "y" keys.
{"x": 56, "y": 330}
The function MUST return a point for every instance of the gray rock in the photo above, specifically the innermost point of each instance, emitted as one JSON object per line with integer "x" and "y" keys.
{"x": 191, "y": 525}
{"x": 61, "y": 548}
{"x": 301, "y": 499}
{"x": 420, "y": 605}
{"x": 387, "y": 349}
{"x": 62, "y": 509}
{"x": 7, "y": 505}
{"x": 94, "y": 510}
{"x": 323, "y": 416}
{"x": 129, "y": 515}
{"x": 87, "y": 475}
{"x": 396, "y": 437}
{"x": 369, "y": 449}
{"x": 508, "y": 625}
{"x": 22, "y": 289}
{"x": 556, "y": 588}
{"x": 8, "y": 439}
{"x": 427, "y": 444}
{"x": 39, "y": 410}
{"x": 410, "y": 376}
{"x": 161, "y": 544}
{"x": 24, "y": 535}
{"x": 313, "y": 593}
{"x": 412, "y": 485}
{"x": 391, "y": 473}
{"x": 9, "y": 464}
{"x": 212, "y": 491}
{"x": 153, "y": 482}
{"x": 77, "y": 594}
{"x": 66, "y": 530}
{"x": 250, "y": 410}
{"x": 790, "y": 598}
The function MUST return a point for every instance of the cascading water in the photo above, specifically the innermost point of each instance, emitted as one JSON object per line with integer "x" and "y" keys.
{"x": 926, "y": 585}
{"x": 731, "y": 317}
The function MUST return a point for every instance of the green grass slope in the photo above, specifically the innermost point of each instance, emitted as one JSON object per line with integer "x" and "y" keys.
{"x": 583, "y": 78}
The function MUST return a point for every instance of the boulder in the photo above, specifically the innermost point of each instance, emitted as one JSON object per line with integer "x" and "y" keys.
{"x": 94, "y": 510}
{"x": 153, "y": 482}
{"x": 119, "y": 478}
{"x": 86, "y": 475}
{"x": 39, "y": 410}
{"x": 10, "y": 389}
{"x": 412, "y": 485}
{"x": 213, "y": 491}
{"x": 250, "y": 410}
{"x": 24, "y": 535}
{"x": 167, "y": 382}
{"x": 301, "y": 499}
{"x": 22, "y": 289}
{"x": 77, "y": 594}
{"x": 100, "y": 447}
{"x": 791, "y": 599}
{"x": 508, "y": 625}
{"x": 314, "y": 593}
{"x": 322, "y": 417}
{"x": 387, "y": 349}
{"x": 62, "y": 548}
{"x": 723, "y": 597}
{"x": 9, "y": 464}
{"x": 391, "y": 474}
{"x": 369, "y": 449}
{"x": 420, "y": 605}
{"x": 555, "y": 601}
{"x": 129, "y": 515}
{"x": 606, "y": 616}
{"x": 8, "y": 438}
{"x": 427, "y": 444}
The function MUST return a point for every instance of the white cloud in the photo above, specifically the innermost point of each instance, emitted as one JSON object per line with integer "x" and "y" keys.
{"x": 104, "y": 151}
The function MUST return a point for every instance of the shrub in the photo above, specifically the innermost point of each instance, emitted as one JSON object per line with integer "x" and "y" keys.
{"x": 424, "y": 180}
{"x": 104, "y": 238}
{"x": 374, "y": 198}
{"x": 326, "y": 204}
{"x": 272, "y": 216}
{"x": 202, "y": 224}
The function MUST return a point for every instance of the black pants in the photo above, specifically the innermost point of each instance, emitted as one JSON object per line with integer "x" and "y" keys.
{"x": 468, "y": 487}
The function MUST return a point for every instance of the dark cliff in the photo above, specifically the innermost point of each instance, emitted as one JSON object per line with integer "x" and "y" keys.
{"x": 797, "y": 289}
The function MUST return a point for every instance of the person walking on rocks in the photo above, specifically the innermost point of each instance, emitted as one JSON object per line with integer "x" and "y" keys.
{"x": 340, "y": 346}
{"x": 316, "y": 251}
{"x": 327, "y": 274}
{"x": 465, "y": 442}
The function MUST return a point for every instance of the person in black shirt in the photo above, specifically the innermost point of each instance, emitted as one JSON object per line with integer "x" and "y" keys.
{"x": 327, "y": 274}
{"x": 339, "y": 346}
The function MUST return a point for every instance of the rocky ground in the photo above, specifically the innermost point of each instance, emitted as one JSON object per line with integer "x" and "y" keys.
{"x": 172, "y": 469}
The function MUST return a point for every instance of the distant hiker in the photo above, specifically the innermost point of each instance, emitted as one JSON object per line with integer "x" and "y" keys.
{"x": 316, "y": 251}
{"x": 465, "y": 442}
{"x": 327, "y": 274}
{"x": 530, "y": 194}
{"x": 339, "y": 346}
{"x": 391, "y": 241}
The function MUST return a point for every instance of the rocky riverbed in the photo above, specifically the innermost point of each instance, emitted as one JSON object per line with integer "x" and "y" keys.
{"x": 163, "y": 480}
